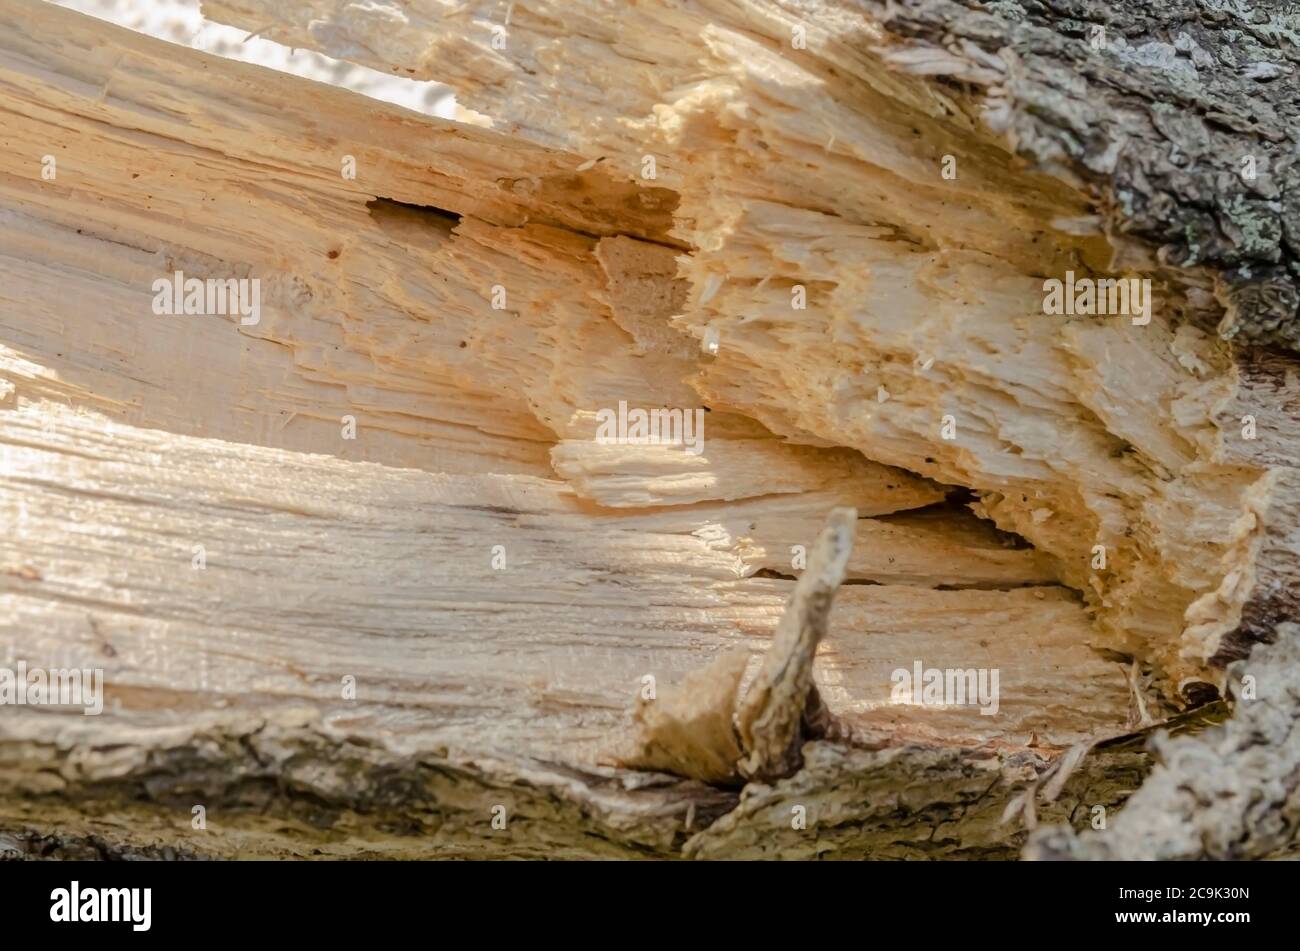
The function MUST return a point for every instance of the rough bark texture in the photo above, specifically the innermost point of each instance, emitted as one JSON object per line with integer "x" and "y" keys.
{"x": 1184, "y": 115}
{"x": 499, "y": 582}
{"x": 1232, "y": 792}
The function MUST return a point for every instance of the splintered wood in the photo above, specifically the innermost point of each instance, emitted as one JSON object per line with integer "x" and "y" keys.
{"x": 698, "y": 730}
{"x": 555, "y": 435}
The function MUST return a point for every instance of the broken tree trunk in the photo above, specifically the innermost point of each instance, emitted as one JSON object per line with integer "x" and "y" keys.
{"x": 385, "y": 571}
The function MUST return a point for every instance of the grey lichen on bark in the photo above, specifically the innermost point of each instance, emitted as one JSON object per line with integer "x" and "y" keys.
{"x": 1183, "y": 116}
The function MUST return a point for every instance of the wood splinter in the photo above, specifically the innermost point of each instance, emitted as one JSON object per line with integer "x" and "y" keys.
{"x": 700, "y": 730}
